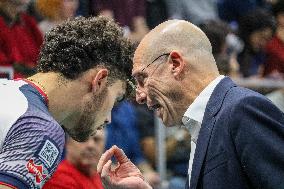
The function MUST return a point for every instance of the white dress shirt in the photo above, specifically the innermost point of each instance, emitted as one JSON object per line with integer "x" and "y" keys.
{"x": 193, "y": 117}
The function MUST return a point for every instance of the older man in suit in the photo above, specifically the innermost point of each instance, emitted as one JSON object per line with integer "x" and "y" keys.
{"x": 237, "y": 134}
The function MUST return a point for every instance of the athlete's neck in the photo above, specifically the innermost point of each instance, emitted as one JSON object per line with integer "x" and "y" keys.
{"x": 54, "y": 86}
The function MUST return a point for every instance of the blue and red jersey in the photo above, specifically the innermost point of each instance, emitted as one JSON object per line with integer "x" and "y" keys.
{"x": 31, "y": 141}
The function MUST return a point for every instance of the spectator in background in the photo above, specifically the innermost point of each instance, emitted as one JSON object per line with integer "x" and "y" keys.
{"x": 32, "y": 10}
{"x": 130, "y": 14}
{"x": 274, "y": 65}
{"x": 228, "y": 65}
{"x": 79, "y": 168}
{"x": 217, "y": 32}
{"x": 20, "y": 38}
{"x": 55, "y": 12}
{"x": 194, "y": 11}
{"x": 256, "y": 30}
{"x": 123, "y": 132}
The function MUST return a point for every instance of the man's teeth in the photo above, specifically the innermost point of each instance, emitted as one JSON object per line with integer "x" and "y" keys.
{"x": 155, "y": 107}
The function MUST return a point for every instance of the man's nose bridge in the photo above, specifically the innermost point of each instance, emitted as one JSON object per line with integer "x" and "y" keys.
{"x": 90, "y": 143}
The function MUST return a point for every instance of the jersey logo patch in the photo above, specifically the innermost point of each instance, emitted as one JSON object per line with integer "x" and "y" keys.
{"x": 36, "y": 170}
{"x": 48, "y": 153}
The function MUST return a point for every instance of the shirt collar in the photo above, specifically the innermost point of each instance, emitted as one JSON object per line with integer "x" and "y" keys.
{"x": 195, "y": 112}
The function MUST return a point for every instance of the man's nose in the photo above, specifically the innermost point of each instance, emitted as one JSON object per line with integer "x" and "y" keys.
{"x": 141, "y": 96}
{"x": 91, "y": 145}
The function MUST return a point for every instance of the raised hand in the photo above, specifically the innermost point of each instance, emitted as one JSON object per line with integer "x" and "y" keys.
{"x": 125, "y": 176}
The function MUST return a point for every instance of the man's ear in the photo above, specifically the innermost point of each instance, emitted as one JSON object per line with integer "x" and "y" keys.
{"x": 100, "y": 80}
{"x": 177, "y": 63}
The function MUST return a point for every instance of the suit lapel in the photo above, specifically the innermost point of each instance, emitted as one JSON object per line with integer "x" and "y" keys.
{"x": 213, "y": 106}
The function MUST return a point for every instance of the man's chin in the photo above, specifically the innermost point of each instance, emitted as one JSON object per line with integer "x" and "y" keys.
{"x": 172, "y": 123}
{"x": 79, "y": 136}
{"x": 167, "y": 121}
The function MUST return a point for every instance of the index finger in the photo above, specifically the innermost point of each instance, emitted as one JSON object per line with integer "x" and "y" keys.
{"x": 120, "y": 155}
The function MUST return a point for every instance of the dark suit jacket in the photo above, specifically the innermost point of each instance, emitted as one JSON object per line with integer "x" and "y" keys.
{"x": 241, "y": 142}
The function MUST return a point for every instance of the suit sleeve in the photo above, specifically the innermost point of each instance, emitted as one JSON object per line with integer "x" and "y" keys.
{"x": 257, "y": 129}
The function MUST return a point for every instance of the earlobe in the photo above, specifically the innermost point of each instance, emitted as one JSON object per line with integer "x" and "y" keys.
{"x": 100, "y": 80}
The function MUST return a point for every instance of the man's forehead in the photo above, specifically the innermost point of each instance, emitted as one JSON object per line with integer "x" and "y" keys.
{"x": 140, "y": 57}
{"x": 119, "y": 85}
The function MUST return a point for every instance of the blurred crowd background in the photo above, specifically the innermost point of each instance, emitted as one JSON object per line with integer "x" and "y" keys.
{"x": 247, "y": 37}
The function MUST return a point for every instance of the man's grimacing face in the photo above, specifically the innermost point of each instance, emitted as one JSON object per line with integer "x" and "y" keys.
{"x": 158, "y": 89}
{"x": 96, "y": 111}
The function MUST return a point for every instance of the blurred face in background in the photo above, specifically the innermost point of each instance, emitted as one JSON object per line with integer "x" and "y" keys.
{"x": 85, "y": 155}
{"x": 259, "y": 38}
{"x": 69, "y": 8}
{"x": 280, "y": 19}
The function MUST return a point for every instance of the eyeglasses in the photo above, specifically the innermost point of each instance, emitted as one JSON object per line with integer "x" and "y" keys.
{"x": 133, "y": 82}
{"x": 166, "y": 54}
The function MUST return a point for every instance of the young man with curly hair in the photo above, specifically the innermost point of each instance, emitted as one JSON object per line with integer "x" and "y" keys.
{"x": 82, "y": 72}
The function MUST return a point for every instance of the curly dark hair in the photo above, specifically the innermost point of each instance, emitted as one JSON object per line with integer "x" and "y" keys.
{"x": 80, "y": 44}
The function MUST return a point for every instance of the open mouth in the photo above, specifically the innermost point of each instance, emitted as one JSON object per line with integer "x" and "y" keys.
{"x": 157, "y": 108}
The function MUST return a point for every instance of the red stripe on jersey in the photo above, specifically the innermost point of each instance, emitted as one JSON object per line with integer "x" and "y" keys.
{"x": 37, "y": 88}
{"x": 9, "y": 185}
